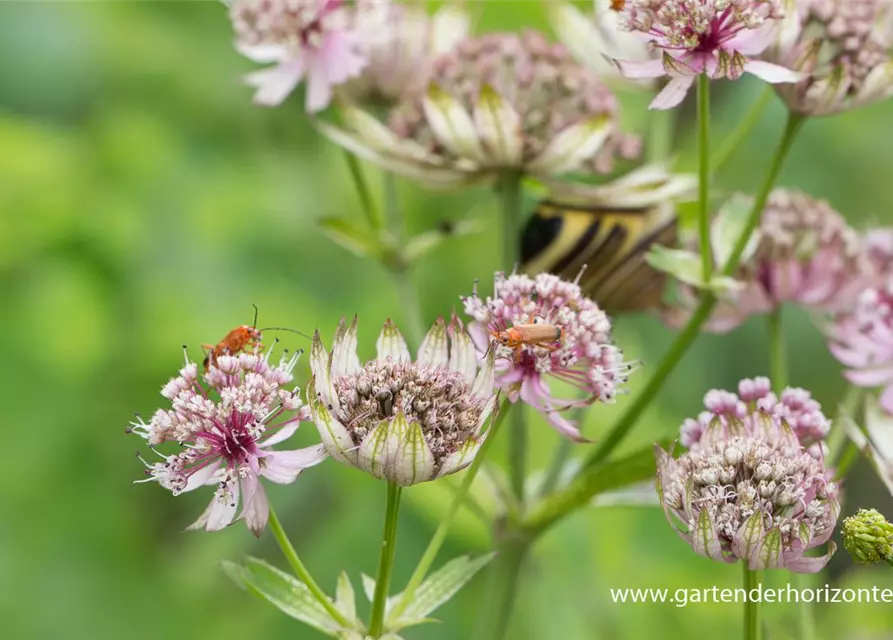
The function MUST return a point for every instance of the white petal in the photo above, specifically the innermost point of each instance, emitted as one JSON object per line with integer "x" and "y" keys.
{"x": 319, "y": 366}
{"x": 414, "y": 461}
{"x": 263, "y": 53}
{"x": 334, "y": 435}
{"x": 273, "y": 85}
{"x": 255, "y": 507}
{"x": 223, "y": 509}
{"x": 641, "y": 69}
{"x": 485, "y": 381}
{"x": 378, "y": 450}
{"x": 383, "y": 139}
{"x": 281, "y": 435}
{"x": 772, "y": 73}
{"x": 499, "y": 127}
{"x": 572, "y": 146}
{"x": 463, "y": 355}
{"x": 344, "y": 350}
{"x": 878, "y": 84}
{"x": 282, "y": 467}
{"x": 461, "y": 458}
{"x": 880, "y": 429}
{"x": 578, "y": 33}
{"x": 643, "y": 187}
{"x": 452, "y": 125}
{"x": 673, "y": 93}
{"x": 391, "y": 344}
{"x": 204, "y": 476}
{"x": 433, "y": 350}
{"x": 449, "y": 25}
{"x": 491, "y": 406}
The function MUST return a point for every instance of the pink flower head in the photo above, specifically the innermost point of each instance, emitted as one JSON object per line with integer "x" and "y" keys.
{"x": 804, "y": 253}
{"x": 749, "y": 490}
{"x": 716, "y": 37}
{"x": 311, "y": 39}
{"x": 227, "y": 427}
{"x": 795, "y": 409}
{"x": 862, "y": 339}
{"x": 583, "y": 357}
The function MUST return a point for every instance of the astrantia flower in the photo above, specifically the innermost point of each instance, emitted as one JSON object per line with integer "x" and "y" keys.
{"x": 862, "y": 339}
{"x": 846, "y": 49}
{"x": 403, "y": 421}
{"x": 596, "y": 38}
{"x": 227, "y": 422}
{"x": 876, "y": 442}
{"x": 583, "y": 357}
{"x": 716, "y": 37}
{"x": 403, "y": 42}
{"x": 750, "y": 491}
{"x": 497, "y": 102}
{"x": 316, "y": 40}
{"x": 804, "y": 253}
{"x": 867, "y": 536}
{"x": 726, "y": 410}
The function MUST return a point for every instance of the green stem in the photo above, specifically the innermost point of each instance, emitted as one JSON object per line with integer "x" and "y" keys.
{"x": 691, "y": 330}
{"x": 562, "y": 454}
{"x": 847, "y": 459}
{"x": 385, "y": 562}
{"x": 704, "y": 175}
{"x": 407, "y": 294}
{"x": 366, "y": 202}
{"x": 751, "y": 607}
{"x": 509, "y": 187}
{"x": 301, "y": 571}
{"x": 837, "y": 440}
{"x": 501, "y": 602}
{"x": 733, "y": 140}
{"x": 778, "y": 363}
{"x": 439, "y": 536}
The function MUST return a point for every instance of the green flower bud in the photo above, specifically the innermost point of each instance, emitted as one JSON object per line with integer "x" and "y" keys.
{"x": 868, "y": 537}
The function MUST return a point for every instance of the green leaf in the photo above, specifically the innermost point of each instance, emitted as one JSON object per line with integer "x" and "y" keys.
{"x": 686, "y": 267}
{"x": 345, "y": 599}
{"x": 438, "y": 589}
{"x": 357, "y": 239}
{"x": 368, "y": 587}
{"x": 283, "y": 591}
{"x": 727, "y": 227}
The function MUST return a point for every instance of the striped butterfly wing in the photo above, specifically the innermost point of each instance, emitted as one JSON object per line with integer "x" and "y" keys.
{"x": 610, "y": 242}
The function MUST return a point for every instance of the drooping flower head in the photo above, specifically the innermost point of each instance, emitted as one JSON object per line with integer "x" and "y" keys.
{"x": 845, "y": 47}
{"x": 750, "y": 491}
{"x": 313, "y": 40}
{"x": 804, "y": 253}
{"x": 227, "y": 422}
{"x": 867, "y": 536}
{"x": 403, "y": 421}
{"x": 725, "y": 410}
{"x": 716, "y": 37}
{"x": 497, "y": 102}
{"x": 583, "y": 357}
{"x": 403, "y": 42}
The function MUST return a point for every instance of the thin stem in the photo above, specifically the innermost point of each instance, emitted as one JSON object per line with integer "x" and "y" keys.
{"x": 704, "y": 175}
{"x": 439, "y": 536}
{"x": 751, "y": 607}
{"x": 733, "y": 140}
{"x": 386, "y": 561}
{"x": 506, "y": 571}
{"x": 691, "y": 330}
{"x": 660, "y": 134}
{"x": 366, "y": 202}
{"x": 778, "y": 362}
{"x": 851, "y": 405}
{"x": 301, "y": 571}
{"x": 510, "y": 198}
{"x": 407, "y": 295}
{"x": 847, "y": 459}
{"x": 562, "y": 454}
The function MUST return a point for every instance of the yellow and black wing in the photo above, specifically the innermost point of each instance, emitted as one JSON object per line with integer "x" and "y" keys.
{"x": 561, "y": 238}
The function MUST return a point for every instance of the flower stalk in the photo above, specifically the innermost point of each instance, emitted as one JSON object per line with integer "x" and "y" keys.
{"x": 751, "y": 607}
{"x": 778, "y": 363}
{"x": 301, "y": 571}
{"x": 704, "y": 174}
{"x": 386, "y": 561}
{"x": 734, "y": 139}
{"x": 367, "y": 203}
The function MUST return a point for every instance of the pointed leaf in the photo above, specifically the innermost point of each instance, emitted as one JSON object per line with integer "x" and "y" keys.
{"x": 368, "y": 587}
{"x": 345, "y": 599}
{"x": 728, "y": 226}
{"x": 358, "y": 240}
{"x": 439, "y": 588}
{"x": 286, "y": 593}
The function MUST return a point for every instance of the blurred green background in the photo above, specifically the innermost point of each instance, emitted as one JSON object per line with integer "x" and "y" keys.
{"x": 146, "y": 204}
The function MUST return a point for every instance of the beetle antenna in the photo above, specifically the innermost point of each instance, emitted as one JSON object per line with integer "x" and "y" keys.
{"x": 255, "y": 316}
{"x": 300, "y": 333}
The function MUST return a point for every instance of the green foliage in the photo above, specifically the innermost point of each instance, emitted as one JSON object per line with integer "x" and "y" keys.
{"x": 145, "y": 204}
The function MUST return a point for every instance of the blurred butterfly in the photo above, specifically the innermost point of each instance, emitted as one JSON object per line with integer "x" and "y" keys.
{"x": 609, "y": 232}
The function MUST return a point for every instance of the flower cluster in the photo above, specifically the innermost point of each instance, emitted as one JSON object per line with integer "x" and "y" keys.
{"x": 868, "y": 537}
{"x": 228, "y": 426}
{"x": 496, "y": 102}
{"x": 312, "y": 39}
{"x": 714, "y": 37}
{"x": 403, "y": 421}
{"x": 580, "y": 353}
{"x": 748, "y": 490}
{"x": 845, "y": 47}
{"x": 804, "y": 253}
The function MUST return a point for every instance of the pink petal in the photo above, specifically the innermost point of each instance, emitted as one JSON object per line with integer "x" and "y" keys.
{"x": 255, "y": 507}
{"x": 772, "y": 73}
{"x": 870, "y": 377}
{"x": 273, "y": 85}
{"x": 282, "y": 467}
{"x": 645, "y": 69}
{"x": 335, "y": 62}
{"x": 673, "y": 93}
{"x": 750, "y": 42}
{"x": 283, "y": 434}
{"x": 203, "y": 476}
{"x": 223, "y": 509}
